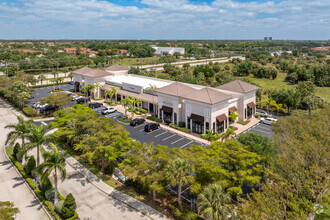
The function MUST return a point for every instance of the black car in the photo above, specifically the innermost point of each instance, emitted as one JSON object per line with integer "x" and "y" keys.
{"x": 95, "y": 105}
{"x": 47, "y": 108}
{"x": 151, "y": 126}
{"x": 81, "y": 100}
{"x": 137, "y": 121}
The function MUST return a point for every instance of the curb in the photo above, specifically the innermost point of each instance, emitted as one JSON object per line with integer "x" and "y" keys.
{"x": 110, "y": 194}
{"x": 27, "y": 185}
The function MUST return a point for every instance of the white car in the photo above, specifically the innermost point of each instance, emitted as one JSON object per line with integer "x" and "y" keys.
{"x": 36, "y": 104}
{"x": 108, "y": 110}
{"x": 268, "y": 121}
{"x": 263, "y": 113}
{"x": 74, "y": 97}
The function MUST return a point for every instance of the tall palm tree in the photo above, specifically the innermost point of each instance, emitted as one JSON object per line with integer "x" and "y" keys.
{"x": 41, "y": 78}
{"x": 178, "y": 172}
{"x": 106, "y": 94}
{"x": 225, "y": 136}
{"x": 268, "y": 102}
{"x": 20, "y": 131}
{"x": 53, "y": 161}
{"x": 124, "y": 103}
{"x": 277, "y": 107}
{"x": 137, "y": 102}
{"x": 213, "y": 203}
{"x": 114, "y": 92}
{"x": 37, "y": 138}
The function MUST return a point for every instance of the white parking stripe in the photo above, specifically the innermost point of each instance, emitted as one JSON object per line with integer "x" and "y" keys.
{"x": 262, "y": 131}
{"x": 138, "y": 126}
{"x": 186, "y": 144}
{"x": 161, "y": 134}
{"x": 177, "y": 140}
{"x": 142, "y": 129}
{"x": 44, "y": 123}
{"x": 169, "y": 137}
{"x": 152, "y": 131}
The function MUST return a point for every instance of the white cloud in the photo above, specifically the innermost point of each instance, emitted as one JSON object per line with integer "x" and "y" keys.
{"x": 177, "y": 19}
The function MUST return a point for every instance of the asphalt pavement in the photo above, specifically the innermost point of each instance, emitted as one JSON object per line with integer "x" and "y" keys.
{"x": 263, "y": 129}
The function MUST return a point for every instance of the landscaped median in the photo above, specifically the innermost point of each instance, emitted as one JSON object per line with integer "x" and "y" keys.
{"x": 186, "y": 130}
{"x": 37, "y": 189}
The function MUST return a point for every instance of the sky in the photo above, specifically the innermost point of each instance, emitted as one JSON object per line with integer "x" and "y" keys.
{"x": 165, "y": 19}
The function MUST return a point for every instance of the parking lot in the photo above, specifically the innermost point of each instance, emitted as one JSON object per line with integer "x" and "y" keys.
{"x": 45, "y": 91}
{"x": 160, "y": 136}
{"x": 263, "y": 129}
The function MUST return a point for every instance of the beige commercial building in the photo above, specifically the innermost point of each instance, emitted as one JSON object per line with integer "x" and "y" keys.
{"x": 201, "y": 108}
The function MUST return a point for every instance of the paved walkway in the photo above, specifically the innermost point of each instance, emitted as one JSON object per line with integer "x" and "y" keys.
{"x": 12, "y": 186}
{"x": 95, "y": 199}
{"x": 241, "y": 128}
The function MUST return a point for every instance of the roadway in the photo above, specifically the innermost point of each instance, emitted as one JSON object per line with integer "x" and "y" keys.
{"x": 12, "y": 186}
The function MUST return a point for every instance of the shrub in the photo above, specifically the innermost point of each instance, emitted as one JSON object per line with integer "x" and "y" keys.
{"x": 71, "y": 90}
{"x": 59, "y": 206}
{"x": 233, "y": 128}
{"x": 15, "y": 151}
{"x": 49, "y": 194}
{"x": 185, "y": 214}
{"x": 69, "y": 206}
{"x": 28, "y": 111}
{"x": 45, "y": 185}
{"x": 243, "y": 122}
{"x": 124, "y": 119}
{"x": 153, "y": 118}
{"x": 110, "y": 168}
{"x": 31, "y": 165}
{"x": 256, "y": 115}
{"x": 182, "y": 124}
{"x": 186, "y": 130}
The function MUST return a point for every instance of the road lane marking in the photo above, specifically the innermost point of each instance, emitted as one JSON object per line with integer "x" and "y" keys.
{"x": 152, "y": 131}
{"x": 177, "y": 140}
{"x": 161, "y": 134}
{"x": 169, "y": 137}
{"x": 262, "y": 131}
{"x": 186, "y": 144}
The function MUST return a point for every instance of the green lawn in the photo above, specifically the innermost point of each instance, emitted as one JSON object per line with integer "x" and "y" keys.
{"x": 137, "y": 61}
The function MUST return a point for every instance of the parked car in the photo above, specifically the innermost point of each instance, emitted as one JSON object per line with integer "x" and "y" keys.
{"x": 40, "y": 106}
{"x": 263, "y": 113}
{"x": 74, "y": 97}
{"x": 95, "y": 105}
{"x": 71, "y": 83}
{"x": 81, "y": 99}
{"x": 137, "y": 121}
{"x": 36, "y": 104}
{"x": 108, "y": 110}
{"x": 268, "y": 121}
{"x": 151, "y": 126}
{"x": 47, "y": 108}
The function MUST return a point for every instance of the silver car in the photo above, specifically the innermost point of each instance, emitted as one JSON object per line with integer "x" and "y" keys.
{"x": 268, "y": 121}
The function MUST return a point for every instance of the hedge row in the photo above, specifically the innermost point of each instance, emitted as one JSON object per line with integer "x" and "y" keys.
{"x": 37, "y": 191}
{"x": 186, "y": 130}
{"x": 28, "y": 111}
{"x": 153, "y": 118}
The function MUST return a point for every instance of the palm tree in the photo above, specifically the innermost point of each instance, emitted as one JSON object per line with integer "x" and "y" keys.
{"x": 268, "y": 102}
{"x": 106, "y": 94}
{"x": 20, "y": 131}
{"x": 213, "y": 203}
{"x": 277, "y": 107}
{"x": 41, "y": 78}
{"x": 137, "y": 102}
{"x": 70, "y": 75}
{"x": 225, "y": 136}
{"x": 114, "y": 92}
{"x": 37, "y": 138}
{"x": 178, "y": 173}
{"x": 53, "y": 161}
{"x": 124, "y": 103}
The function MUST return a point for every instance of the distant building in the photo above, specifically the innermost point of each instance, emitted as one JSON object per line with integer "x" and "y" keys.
{"x": 321, "y": 48}
{"x": 162, "y": 51}
{"x": 270, "y": 38}
{"x": 266, "y": 38}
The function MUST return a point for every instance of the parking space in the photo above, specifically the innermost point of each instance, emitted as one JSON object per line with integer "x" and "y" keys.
{"x": 263, "y": 129}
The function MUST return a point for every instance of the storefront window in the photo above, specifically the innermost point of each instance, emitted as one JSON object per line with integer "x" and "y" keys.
{"x": 175, "y": 118}
{"x": 188, "y": 122}
{"x": 207, "y": 125}
{"x": 213, "y": 127}
{"x": 220, "y": 127}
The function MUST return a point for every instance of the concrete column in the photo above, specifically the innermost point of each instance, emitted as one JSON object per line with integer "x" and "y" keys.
{"x": 186, "y": 121}
{"x": 204, "y": 129}
{"x": 148, "y": 107}
{"x": 190, "y": 125}
{"x": 172, "y": 117}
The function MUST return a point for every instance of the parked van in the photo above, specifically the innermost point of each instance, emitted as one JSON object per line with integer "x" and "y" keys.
{"x": 268, "y": 121}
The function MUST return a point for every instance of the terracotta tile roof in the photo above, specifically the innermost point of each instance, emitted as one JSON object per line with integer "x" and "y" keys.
{"x": 93, "y": 73}
{"x": 176, "y": 89}
{"x": 238, "y": 86}
{"x": 116, "y": 68}
{"x": 208, "y": 95}
{"x": 321, "y": 48}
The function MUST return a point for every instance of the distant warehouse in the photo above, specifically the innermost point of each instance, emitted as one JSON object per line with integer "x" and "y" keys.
{"x": 162, "y": 51}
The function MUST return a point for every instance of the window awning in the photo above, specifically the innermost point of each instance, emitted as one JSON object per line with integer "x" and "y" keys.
{"x": 221, "y": 118}
{"x": 197, "y": 118}
{"x": 166, "y": 109}
{"x": 251, "y": 105}
{"x": 233, "y": 109}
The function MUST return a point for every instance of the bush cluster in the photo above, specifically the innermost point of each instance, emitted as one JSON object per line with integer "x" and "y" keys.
{"x": 31, "y": 165}
{"x": 28, "y": 111}
{"x": 124, "y": 119}
{"x": 153, "y": 118}
{"x": 186, "y": 130}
